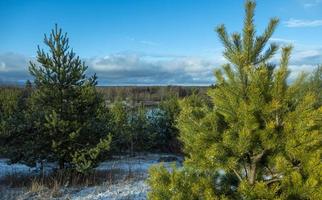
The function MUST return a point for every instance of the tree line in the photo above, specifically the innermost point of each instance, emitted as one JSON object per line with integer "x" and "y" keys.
{"x": 148, "y": 94}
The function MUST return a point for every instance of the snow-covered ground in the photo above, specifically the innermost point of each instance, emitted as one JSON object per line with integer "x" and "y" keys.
{"x": 135, "y": 189}
{"x": 20, "y": 169}
{"x": 126, "y": 188}
{"x": 7, "y": 169}
{"x": 139, "y": 163}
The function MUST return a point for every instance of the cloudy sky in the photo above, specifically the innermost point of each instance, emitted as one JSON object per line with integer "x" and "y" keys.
{"x": 151, "y": 42}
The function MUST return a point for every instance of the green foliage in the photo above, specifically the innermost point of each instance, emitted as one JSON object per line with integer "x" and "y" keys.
{"x": 132, "y": 129}
{"x": 85, "y": 159}
{"x": 145, "y": 129}
{"x": 8, "y": 109}
{"x": 315, "y": 82}
{"x": 262, "y": 133}
{"x": 142, "y": 137}
{"x": 122, "y": 135}
{"x": 164, "y": 125}
{"x": 17, "y": 133}
{"x": 181, "y": 184}
{"x": 68, "y": 117}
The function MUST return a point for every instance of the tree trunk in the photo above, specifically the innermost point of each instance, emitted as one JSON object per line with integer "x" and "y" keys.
{"x": 252, "y": 173}
{"x": 253, "y": 167}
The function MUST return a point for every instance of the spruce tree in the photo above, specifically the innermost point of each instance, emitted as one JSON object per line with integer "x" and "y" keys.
{"x": 73, "y": 114}
{"x": 260, "y": 139}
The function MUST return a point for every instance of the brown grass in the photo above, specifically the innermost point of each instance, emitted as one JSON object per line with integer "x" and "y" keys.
{"x": 60, "y": 179}
{"x": 36, "y": 186}
{"x": 59, "y": 184}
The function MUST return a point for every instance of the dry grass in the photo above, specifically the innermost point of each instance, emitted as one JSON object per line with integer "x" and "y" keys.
{"x": 60, "y": 183}
{"x": 36, "y": 186}
{"x": 55, "y": 189}
{"x": 54, "y": 185}
{"x": 60, "y": 179}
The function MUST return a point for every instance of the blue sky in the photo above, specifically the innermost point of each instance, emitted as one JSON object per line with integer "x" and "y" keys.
{"x": 151, "y": 41}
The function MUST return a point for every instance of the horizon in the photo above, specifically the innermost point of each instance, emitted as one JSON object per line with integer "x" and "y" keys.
{"x": 151, "y": 43}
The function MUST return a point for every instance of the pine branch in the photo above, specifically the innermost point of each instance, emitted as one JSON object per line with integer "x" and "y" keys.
{"x": 237, "y": 174}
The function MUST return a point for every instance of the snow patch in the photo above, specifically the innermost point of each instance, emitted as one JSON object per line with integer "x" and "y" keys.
{"x": 135, "y": 190}
{"x": 140, "y": 163}
{"x": 7, "y": 169}
{"x": 21, "y": 169}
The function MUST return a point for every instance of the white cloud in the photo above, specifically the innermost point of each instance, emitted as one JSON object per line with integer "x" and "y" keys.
{"x": 296, "y": 70}
{"x": 282, "y": 40}
{"x": 146, "y": 69}
{"x": 298, "y": 23}
{"x": 312, "y": 56}
{"x": 131, "y": 68}
{"x": 311, "y": 3}
{"x": 13, "y": 67}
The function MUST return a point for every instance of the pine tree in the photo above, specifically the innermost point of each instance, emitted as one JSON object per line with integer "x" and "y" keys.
{"x": 18, "y": 134}
{"x": 141, "y": 135}
{"x": 8, "y": 107}
{"x": 315, "y": 82}
{"x": 122, "y": 136}
{"x": 261, "y": 138}
{"x": 163, "y": 123}
{"x": 9, "y": 98}
{"x": 72, "y": 112}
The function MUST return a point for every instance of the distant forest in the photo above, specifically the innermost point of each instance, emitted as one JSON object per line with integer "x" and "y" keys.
{"x": 134, "y": 95}
{"x": 148, "y": 94}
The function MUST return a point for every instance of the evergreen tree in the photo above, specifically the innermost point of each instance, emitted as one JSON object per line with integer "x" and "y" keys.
{"x": 132, "y": 129}
{"x": 122, "y": 136}
{"x": 19, "y": 134}
{"x": 72, "y": 113}
{"x": 142, "y": 136}
{"x": 315, "y": 82}
{"x": 163, "y": 125}
{"x": 8, "y": 114}
{"x": 8, "y": 107}
{"x": 261, "y": 139}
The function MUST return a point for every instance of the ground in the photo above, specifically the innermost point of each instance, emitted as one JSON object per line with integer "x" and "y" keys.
{"x": 130, "y": 183}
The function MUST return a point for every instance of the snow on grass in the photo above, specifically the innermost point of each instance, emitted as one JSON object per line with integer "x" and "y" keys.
{"x": 21, "y": 169}
{"x": 130, "y": 185}
{"x": 7, "y": 169}
{"x": 135, "y": 190}
{"x": 140, "y": 163}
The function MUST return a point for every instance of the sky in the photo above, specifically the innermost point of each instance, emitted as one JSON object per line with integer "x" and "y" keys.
{"x": 151, "y": 42}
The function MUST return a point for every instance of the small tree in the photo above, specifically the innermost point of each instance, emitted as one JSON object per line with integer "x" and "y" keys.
{"x": 8, "y": 107}
{"x": 73, "y": 113}
{"x": 122, "y": 135}
{"x": 163, "y": 125}
{"x": 261, "y": 139}
{"x": 142, "y": 136}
